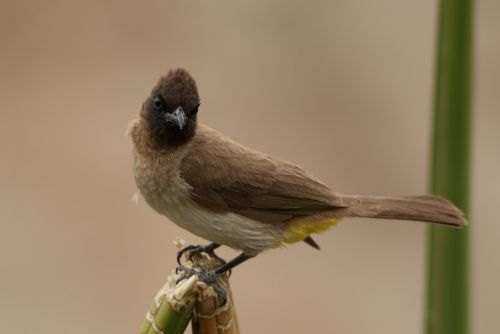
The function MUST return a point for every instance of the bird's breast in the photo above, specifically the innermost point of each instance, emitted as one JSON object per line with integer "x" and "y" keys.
{"x": 160, "y": 183}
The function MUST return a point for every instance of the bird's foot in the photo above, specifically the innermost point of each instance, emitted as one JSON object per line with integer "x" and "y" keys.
{"x": 209, "y": 277}
{"x": 197, "y": 249}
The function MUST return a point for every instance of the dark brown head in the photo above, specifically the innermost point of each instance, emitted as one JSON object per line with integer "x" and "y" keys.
{"x": 171, "y": 108}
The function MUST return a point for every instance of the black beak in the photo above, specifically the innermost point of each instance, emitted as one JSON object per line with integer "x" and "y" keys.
{"x": 178, "y": 117}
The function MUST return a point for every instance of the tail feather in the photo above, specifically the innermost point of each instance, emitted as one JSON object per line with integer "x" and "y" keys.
{"x": 426, "y": 208}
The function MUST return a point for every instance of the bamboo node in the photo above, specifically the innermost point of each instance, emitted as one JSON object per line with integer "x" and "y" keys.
{"x": 217, "y": 312}
{"x": 225, "y": 327}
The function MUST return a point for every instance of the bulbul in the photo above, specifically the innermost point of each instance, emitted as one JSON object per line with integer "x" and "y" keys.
{"x": 232, "y": 195}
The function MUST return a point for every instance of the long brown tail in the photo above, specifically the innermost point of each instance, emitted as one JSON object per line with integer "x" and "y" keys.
{"x": 427, "y": 208}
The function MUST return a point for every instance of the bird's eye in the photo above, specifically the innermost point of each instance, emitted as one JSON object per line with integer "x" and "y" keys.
{"x": 157, "y": 102}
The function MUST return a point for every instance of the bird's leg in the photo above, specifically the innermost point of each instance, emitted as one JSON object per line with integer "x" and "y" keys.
{"x": 232, "y": 263}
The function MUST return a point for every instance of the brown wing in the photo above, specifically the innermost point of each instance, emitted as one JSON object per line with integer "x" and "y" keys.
{"x": 228, "y": 177}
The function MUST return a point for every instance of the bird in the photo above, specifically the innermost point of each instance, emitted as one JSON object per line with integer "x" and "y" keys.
{"x": 232, "y": 195}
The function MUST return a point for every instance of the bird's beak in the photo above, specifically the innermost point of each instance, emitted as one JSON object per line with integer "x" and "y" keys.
{"x": 179, "y": 117}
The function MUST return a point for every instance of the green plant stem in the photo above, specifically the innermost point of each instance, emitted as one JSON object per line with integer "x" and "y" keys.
{"x": 167, "y": 314}
{"x": 448, "y": 260}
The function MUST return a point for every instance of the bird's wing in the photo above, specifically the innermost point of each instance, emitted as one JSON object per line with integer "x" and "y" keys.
{"x": 228, "y": 177}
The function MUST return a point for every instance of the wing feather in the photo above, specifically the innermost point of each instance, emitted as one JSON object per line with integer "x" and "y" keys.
{"x": 228, "y": 177}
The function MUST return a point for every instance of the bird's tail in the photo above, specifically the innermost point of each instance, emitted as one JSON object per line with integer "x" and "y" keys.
{"x": 432, "y": 209}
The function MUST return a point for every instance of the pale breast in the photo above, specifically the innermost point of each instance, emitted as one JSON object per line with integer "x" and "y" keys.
{"x": 159, "y": 182}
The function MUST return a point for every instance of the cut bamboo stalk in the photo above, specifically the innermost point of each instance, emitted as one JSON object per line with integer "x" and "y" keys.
{"x": 172, "y": 307}
{"x": 212, "y": 318}
{"x": 183, "y": 299}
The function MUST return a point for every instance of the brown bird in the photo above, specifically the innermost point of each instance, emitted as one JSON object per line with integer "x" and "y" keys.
{"x": 235, "y": 196}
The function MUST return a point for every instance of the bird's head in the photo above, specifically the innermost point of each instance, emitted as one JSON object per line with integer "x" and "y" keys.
{"x": 171, "y": 108}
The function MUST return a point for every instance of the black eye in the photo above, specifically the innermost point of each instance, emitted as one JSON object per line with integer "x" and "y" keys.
{"x": 157, "y": 102}
{"x": 195, "y": 110}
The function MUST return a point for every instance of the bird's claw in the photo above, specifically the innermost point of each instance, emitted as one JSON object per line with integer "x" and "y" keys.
{"x": 197, "y": 249}
{"x": 209, "y": 277}
{"x": 188, "y": 272}
{"x": 181, "y": 252}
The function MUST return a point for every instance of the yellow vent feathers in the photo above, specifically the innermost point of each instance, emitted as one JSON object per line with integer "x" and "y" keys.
{"x": 298, "y": 231}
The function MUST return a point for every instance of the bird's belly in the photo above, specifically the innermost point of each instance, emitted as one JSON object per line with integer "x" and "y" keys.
{"x": 228, "y": 229}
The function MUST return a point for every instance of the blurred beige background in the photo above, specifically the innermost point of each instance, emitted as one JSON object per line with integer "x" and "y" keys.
{"x": 342, "y": 88}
